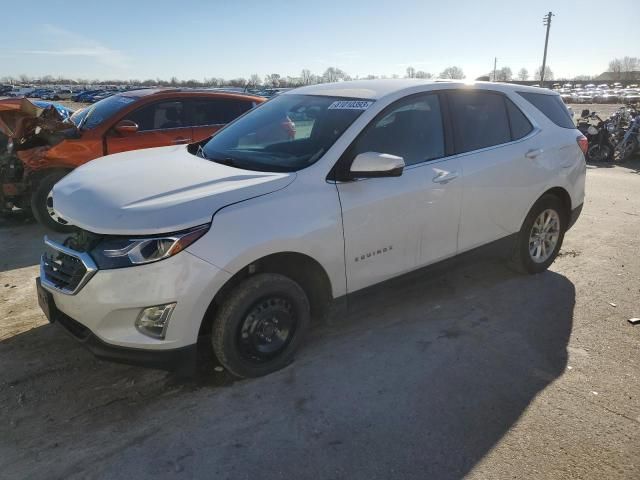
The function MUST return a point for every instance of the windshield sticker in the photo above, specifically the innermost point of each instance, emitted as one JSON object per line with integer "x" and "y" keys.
{"x": 350, "y": 105}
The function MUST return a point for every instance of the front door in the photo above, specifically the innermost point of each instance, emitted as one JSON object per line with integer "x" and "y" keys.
{"x": 159, "y": 124}
{"x": 396, "y": 224}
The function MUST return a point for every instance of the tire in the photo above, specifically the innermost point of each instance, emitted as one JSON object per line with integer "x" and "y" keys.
{"x": 523, "y": 259}
{"x": 623, "y": 153}
{"x": 254, "y": 313}
{"x": 39, "y": 199}
{"x": 599, "y": 153}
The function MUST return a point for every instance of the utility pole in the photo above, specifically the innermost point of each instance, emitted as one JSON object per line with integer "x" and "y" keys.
{"x": 495, "y": 62}
{"x": 546, "y": 20}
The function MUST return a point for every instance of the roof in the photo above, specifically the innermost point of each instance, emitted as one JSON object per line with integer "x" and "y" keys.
{"x": 145, "y": 92}
{"x": 377, "y": 89}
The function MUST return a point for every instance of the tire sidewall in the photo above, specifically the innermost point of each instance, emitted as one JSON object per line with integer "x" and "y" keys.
{"x": 233, "y": 313}
{"x": 39, "y": 202}
{"x": 547, "y": 202}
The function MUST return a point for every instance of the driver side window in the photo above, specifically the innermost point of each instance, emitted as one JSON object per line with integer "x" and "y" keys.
{"x": 411, "y": 129}
{"x": 159, "y": 116}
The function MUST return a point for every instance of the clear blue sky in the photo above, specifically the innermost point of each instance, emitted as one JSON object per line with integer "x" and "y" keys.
{"x": 197, "y": 39}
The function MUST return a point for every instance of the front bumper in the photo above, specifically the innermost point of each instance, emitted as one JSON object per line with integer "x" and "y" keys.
{"x": 178, "y": 359}
{"x": 105, "y": 309}
{"x": 575, "y": 214}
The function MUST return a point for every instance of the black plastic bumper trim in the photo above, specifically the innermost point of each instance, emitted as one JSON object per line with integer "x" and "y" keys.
{"x": 183, "y": 360}
{"x": 575, "y": 214}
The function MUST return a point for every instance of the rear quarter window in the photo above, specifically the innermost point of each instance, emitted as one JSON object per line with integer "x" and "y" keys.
{"x": 551, "y": 106}
{"x": 520, "y": 126}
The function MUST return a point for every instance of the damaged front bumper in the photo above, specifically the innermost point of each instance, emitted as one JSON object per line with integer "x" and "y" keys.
{"x": 27, "y": 131}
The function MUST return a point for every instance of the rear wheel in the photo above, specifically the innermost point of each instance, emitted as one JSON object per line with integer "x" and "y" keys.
{"x": 541, "y": 235}
{"x": 261, "y": 324}
{"x": 42, "y": 203}
{"x": 599, "y": 153}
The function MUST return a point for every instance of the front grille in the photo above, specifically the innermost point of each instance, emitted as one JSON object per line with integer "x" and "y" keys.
{"x": 65, "y": 270}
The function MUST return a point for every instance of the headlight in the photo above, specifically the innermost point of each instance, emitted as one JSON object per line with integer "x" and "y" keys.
{"x": 118, "y": 252}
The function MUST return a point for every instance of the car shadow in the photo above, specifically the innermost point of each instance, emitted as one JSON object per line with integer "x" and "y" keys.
{"x": 21, "y": 238}
{"x": 421, "y": 378}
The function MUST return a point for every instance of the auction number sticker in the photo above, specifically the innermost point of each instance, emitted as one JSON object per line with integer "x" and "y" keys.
{"x": 350, "y": 105}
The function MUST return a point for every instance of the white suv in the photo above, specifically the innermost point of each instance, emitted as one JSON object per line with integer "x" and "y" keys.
{"x": 324, "y": 190}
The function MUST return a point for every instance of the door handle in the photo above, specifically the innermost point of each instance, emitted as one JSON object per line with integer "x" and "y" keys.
{"x": 533, "y": 153}
{"x": 181, "y": 141}
{"x": 444, "y": 177}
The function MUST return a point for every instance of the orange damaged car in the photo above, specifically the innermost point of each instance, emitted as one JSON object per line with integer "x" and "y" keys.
{"x": 42, "y": 146}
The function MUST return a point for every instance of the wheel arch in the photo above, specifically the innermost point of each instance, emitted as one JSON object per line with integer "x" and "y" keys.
{"x": 559, "y": 192}
{"x": 301, "y": 268}
{"x": 564, "y": 197}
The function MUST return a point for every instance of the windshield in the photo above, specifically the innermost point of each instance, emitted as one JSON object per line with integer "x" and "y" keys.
{"x": 287, "y": 133}
{"x": 92, "y": 116}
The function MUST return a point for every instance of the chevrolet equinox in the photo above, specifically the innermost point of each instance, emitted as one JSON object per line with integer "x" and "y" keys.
{"x": 248, "y": 237}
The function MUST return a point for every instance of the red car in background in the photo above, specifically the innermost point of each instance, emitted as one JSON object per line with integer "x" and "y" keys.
{"x": 43, "y": 147}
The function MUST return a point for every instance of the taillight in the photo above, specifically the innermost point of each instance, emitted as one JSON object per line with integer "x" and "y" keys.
{"x": 583, "y": 143}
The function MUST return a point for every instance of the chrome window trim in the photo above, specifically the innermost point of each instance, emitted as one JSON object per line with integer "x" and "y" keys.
{"x": 85, "y": 258}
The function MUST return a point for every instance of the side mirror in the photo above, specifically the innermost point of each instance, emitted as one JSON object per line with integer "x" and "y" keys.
{"x": 126, "y": 127}
{"x": 374, "y": 164}
{"x": 585, "y": 113}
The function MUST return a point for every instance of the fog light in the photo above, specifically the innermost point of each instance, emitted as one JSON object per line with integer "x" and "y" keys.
{"x": 153, "y": 321}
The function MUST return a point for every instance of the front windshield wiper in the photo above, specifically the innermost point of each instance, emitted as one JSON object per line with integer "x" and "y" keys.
{"x": 225, "y": 161}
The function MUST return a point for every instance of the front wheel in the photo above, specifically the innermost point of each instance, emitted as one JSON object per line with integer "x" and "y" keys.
{"x": 624, "y": 151}
{"x": 259, "y": 327}
{"x": 42, "y": 204}
{"x": 541, "y": 235}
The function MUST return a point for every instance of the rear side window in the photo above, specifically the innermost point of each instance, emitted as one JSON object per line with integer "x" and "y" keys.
{"x": 479, "y": 120}
{"x": 520, "y": 126}
{"x": 552, "y": 106}
{"x": 216, "y": 111}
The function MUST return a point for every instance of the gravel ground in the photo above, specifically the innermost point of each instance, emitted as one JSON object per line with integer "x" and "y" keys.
{"x": 471, "y": 371}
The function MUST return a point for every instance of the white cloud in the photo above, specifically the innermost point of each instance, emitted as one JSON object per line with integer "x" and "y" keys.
{"x": 71, "y": 44}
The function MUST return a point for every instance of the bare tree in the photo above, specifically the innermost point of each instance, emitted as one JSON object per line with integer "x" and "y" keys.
{"x": 503, "y": 75}
{"x": 615, "y": 67}
{"x": 455, "y": 73}
{"x": 411, "y": 72}
{"x": 422, "y": 74}
{"x": 305, "y": 76}
{"x": 272, "y": 80}
{"x": 254, "y": 80}
{"x": 333, "y": 74}
{"x": 523, "y": 74}
{"x": 629, "y": 65}
{"x": 548, "y": 73}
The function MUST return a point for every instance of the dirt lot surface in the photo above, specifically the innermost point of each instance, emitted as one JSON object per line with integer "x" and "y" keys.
{"x": 473, "y": 372}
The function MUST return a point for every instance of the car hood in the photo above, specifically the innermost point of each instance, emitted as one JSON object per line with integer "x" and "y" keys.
{"x": 156, "y": 190}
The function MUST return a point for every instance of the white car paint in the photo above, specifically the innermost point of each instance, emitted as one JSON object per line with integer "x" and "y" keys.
{"x": 360, "y": 232}
{"x": 165, "y": 189}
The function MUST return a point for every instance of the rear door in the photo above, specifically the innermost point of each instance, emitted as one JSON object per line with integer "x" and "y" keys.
{"x": 501, "y": 155}
{"x": 160, "y": 124}
{"x": 393, "y": 225}
{"x": 208, "y": 115}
